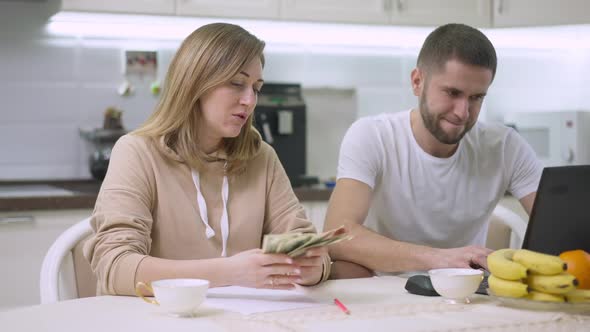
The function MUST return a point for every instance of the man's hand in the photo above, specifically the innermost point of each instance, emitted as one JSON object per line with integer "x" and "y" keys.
{"x": 464, "y": 257}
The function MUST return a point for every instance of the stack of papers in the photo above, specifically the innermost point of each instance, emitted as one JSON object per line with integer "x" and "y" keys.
{"x": 253, "y": 300}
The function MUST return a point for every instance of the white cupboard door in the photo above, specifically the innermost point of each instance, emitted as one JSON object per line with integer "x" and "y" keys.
{"x": 347, "y": 11}
{"x": 160, "y": 7}
{"x": 25, "y": 238}
{"x": 265, "y": 9}
{"x": 438, "y": 12}
{"x": 511, "y": 13}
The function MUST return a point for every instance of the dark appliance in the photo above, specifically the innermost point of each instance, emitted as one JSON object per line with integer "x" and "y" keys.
{"x": 280, "y": 117}
{"x": 100, "y": 144}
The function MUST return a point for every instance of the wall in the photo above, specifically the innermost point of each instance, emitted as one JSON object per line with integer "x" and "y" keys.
{"x": 52, "y": 86}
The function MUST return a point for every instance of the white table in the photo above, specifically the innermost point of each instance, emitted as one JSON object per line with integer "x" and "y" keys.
{"x": 376, "y": 304}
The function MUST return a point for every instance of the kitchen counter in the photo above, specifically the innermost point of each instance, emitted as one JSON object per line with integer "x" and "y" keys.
{"x": 81, "y": 194}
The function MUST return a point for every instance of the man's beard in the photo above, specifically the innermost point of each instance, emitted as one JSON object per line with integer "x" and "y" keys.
{"x": 432, "y": 123}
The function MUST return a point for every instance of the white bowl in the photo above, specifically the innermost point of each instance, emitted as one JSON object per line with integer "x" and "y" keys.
{"x": 456, "y": 284}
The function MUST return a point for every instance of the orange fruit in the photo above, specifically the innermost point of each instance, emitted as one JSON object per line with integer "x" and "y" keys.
{"x": 578, "y": 265}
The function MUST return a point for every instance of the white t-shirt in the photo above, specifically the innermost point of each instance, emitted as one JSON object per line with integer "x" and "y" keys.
{"x": 438, "y": 202}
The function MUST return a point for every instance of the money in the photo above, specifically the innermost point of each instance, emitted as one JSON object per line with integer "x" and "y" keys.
{"x": 296, "y": 244}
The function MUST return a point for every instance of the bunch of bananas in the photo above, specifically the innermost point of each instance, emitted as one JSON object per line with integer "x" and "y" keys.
{"x": 535, "y": 276}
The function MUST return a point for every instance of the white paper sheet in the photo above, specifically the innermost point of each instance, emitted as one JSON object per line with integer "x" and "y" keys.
{"x": 252, "y": 300}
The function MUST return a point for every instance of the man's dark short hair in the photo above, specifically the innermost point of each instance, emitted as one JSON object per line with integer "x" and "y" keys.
{"x": 457, "y": 41}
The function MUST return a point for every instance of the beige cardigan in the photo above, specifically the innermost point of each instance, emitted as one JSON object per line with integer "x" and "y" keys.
{"x": 147, "y": 205}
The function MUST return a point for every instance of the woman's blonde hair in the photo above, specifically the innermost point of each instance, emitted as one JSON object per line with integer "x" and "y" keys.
{"x": 207, "y": 58}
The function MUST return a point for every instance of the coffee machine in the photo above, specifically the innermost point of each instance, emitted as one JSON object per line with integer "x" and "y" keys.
{"x": 101, "y": 141}
{"x": 280, "y": 117}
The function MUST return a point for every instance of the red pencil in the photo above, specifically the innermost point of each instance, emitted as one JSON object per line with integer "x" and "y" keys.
{"x": 342, "y": 306}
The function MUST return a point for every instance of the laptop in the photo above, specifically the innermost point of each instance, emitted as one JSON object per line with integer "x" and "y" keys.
{"x": 560, "y": 219}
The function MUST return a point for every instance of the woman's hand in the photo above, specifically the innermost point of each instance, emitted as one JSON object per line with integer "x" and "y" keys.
{"x": 310, "y": 265}
{"x": 253, "y": 268}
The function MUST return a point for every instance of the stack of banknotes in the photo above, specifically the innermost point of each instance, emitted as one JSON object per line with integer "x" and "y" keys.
{"x": 296, "y": 244}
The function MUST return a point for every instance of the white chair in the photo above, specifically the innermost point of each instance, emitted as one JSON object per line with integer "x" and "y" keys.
{"x": 59, "y": 279}
{"x": 506, "y": 229}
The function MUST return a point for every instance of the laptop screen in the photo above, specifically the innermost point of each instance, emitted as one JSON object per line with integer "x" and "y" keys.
{"x": 560, "y": 219}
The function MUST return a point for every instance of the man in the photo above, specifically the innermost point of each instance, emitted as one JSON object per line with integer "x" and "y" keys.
{"x": 417, "y": 188}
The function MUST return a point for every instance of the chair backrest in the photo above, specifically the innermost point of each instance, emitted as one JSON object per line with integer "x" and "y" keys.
{"x": 506, "y": 229}
{"x": 65, "y": 274}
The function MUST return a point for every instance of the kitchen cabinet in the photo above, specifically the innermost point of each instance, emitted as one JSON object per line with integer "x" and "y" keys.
{"x": 513, "y": 13}
{"x": 25, "y": 237}
{"x": 479, "y": 13}
{"x": 348, "y": 11}
{"x": 436, "y": 12}
{"x": 399, "y": 12}
{"x": 159, "y": 7}
{"x": 264, "y": 9}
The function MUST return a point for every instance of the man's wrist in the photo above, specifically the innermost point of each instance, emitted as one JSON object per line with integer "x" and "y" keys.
{"x": 429, "y": 257}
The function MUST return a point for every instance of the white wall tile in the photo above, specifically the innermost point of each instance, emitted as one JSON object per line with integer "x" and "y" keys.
{"x": 583, "y": 66}
{"x": 36, "y": 61}
{"x": 372, "y": 100}
{"x": 96, "y": 98}
{"x": 36, "y": 103}
{"x": 44, "y": 171}
{"x": 330, "y": 112}
{"x": 540, "y": 81}
{"x": 100, "y": 65}
{"x": 39, "y": 144}
{"x": 333, "y": 70}
{"x": 284, "y": 67}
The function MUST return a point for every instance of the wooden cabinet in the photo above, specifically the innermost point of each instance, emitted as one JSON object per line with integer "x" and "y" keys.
{"x": 349, "y": 11}
{"x": 437, "y": 12}
{"x": 513, "y": 13}
{"x": 160, "y": 7}
{"x": 25, "y": 237}
{"x": 266, "y": 9}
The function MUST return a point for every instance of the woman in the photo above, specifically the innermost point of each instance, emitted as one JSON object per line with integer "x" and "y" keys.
{"x": 192, "y": 192}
